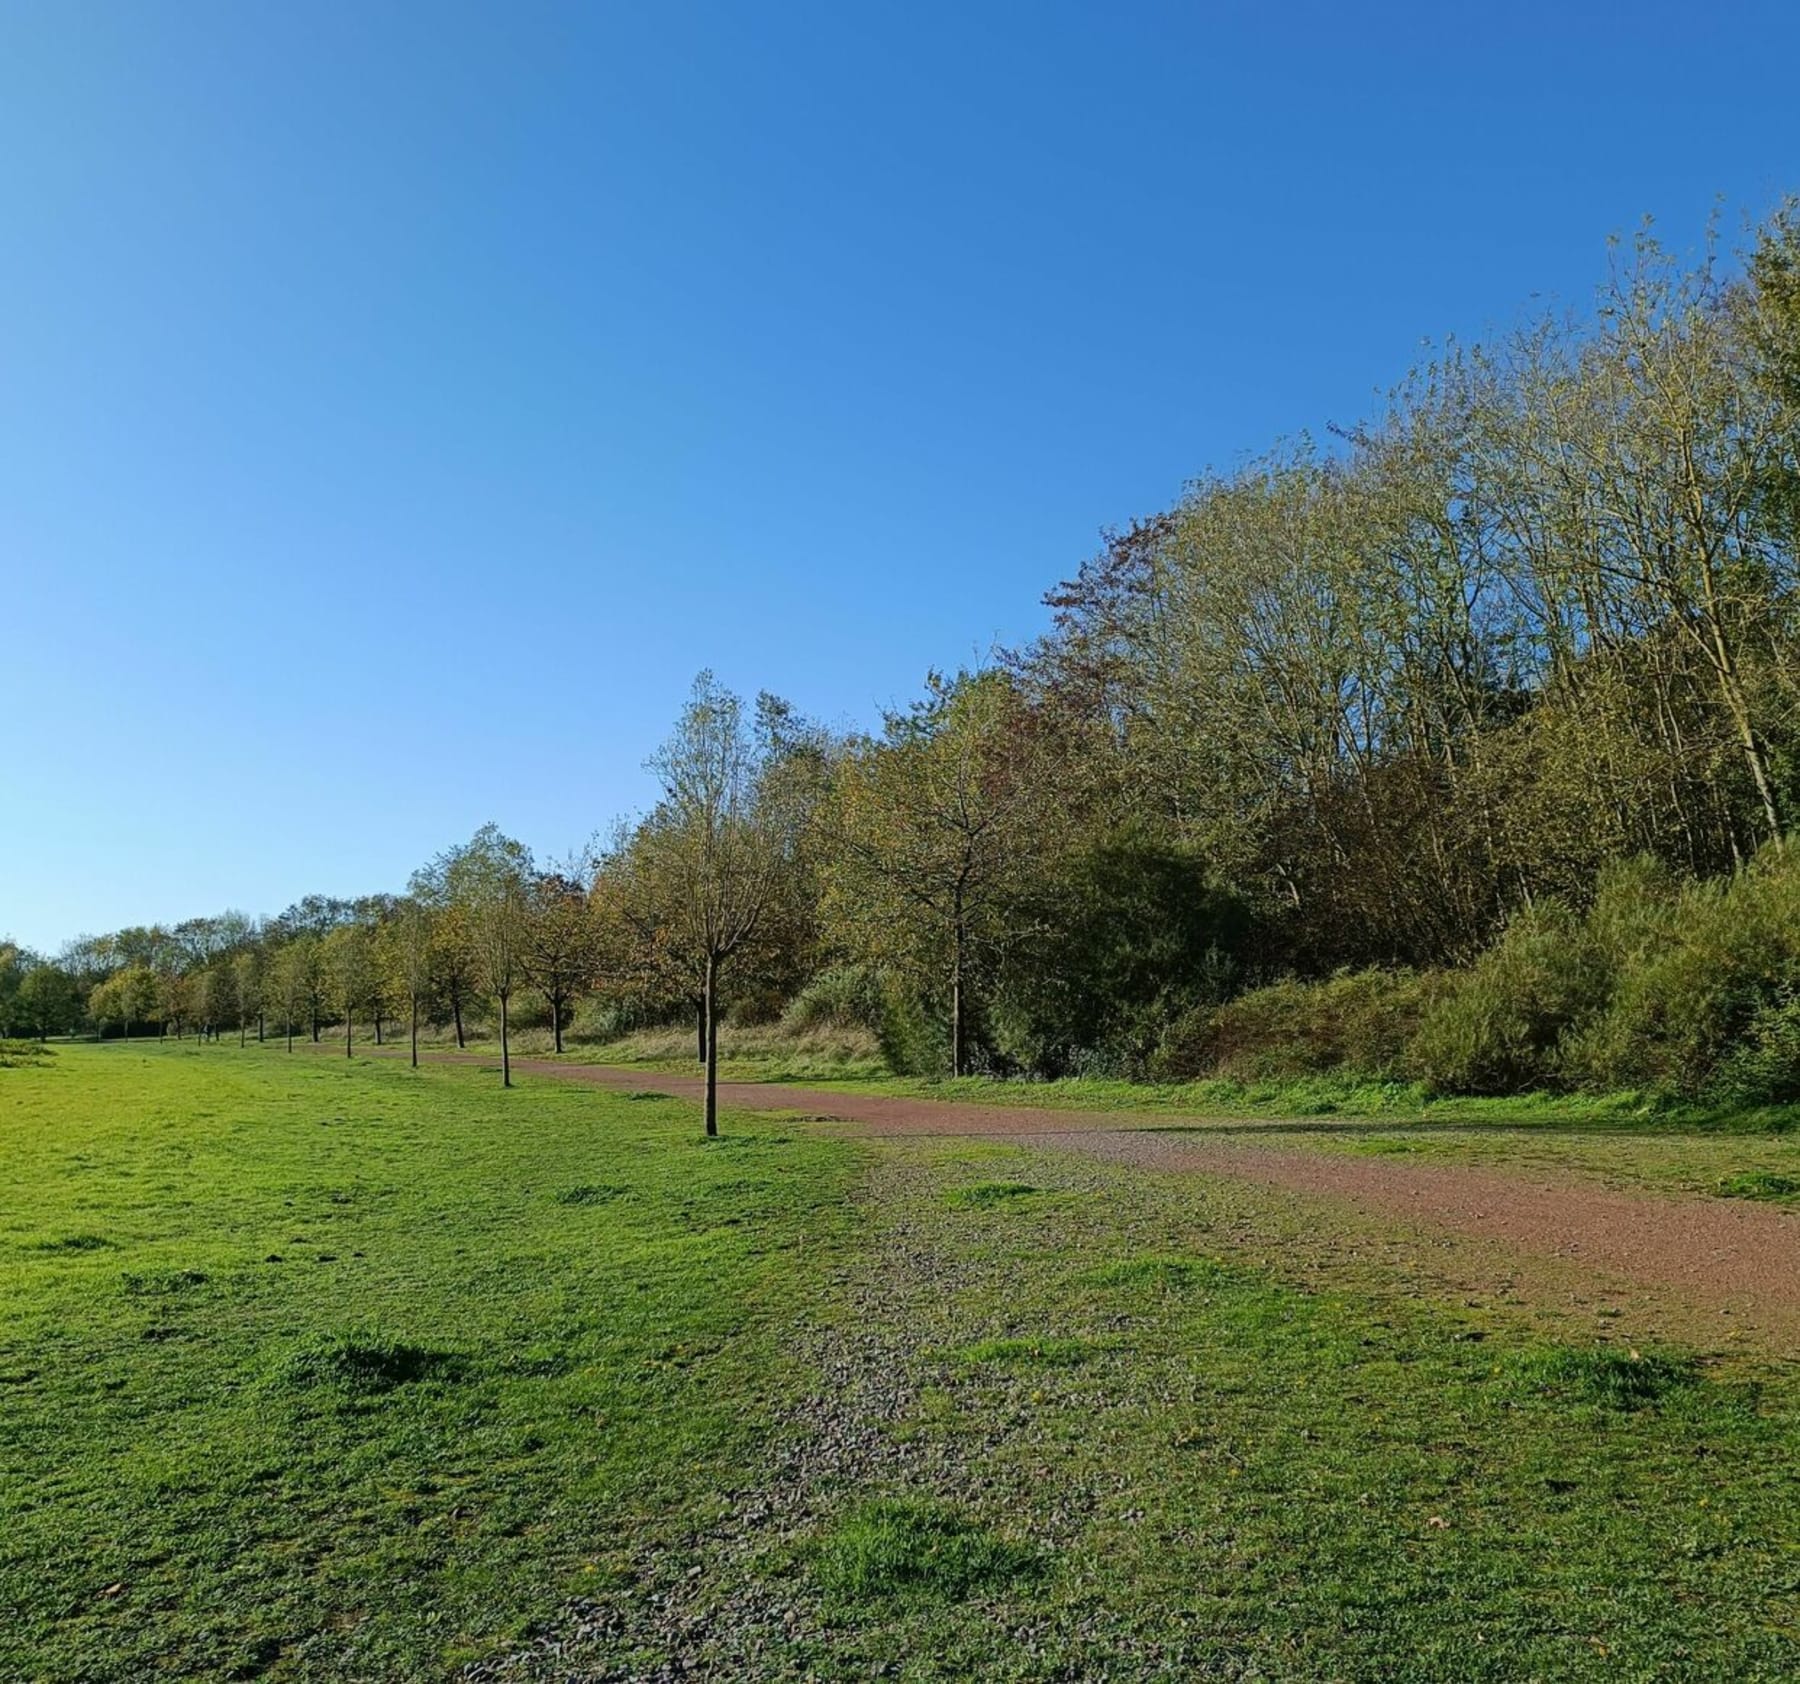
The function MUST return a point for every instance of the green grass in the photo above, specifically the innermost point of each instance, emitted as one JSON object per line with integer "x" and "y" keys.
{"x": 1759, "y": 1184}
{"x": 1028, "y": 1352}
{"x": 895, "y": 1550}
{"x": 324, "y": 1370}
{"x": 318, "y": 1369}
{"x": 985, "y": 1195}
{"x": 1260, "y": 1469}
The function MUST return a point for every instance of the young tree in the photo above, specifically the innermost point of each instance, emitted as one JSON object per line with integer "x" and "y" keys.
{"x": 174, "y": 1000}
{"x": 409, "y": 945}
{"x": 453, "y": 950}
{"x": 346, "y": 962}
{"x": 933, "y": 827}
{"x": 560, "y": 955}
{"x": 700, "y": 875}
{"x": 487, "y": 882}
{"x": 295, "y": 972}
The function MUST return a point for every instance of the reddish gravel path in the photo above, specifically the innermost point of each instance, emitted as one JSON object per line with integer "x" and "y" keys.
{"x": 1715, "y": 1254}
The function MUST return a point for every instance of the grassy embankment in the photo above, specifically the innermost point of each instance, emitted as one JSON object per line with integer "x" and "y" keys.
{"x": 523, "y": 1346}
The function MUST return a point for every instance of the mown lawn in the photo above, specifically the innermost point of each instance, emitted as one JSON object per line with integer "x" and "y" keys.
{"x": 329, "y": 1370}
{"x": 316, "y": 1369}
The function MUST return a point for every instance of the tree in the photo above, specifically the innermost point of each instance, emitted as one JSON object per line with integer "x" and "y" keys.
{"x": 698, "y": 878}
{"x": 15, "y": 962}
{"x": 560, "y": 955}
{"x": 347, "y": 963}
{"x": 934, "y": 825}
{"x": 48, "y": 1001}
{"x": 409, "y": 946}
{"x": 453, "y": 951}
{"x": 174, "y": 1000}
{"x": 487, "y": 882}
{"x": 295, "y": 974}
{"x": 248, "y": 967}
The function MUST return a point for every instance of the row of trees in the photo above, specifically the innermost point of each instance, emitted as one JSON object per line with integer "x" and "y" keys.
{"x": 1345, "y": 707}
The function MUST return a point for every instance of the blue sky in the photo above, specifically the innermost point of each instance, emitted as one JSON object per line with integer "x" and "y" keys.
{"x": 399, "y": 403}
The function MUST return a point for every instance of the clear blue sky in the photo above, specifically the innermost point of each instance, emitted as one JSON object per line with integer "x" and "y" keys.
{"x": 399, "y": 403}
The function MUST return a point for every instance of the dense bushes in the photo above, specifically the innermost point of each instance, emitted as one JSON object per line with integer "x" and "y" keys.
{"x": 1498, "y": 1027}
{"x": 1359, "y": 1022}
{"x": 1132, "y": 935}
{"x": 1686, "y": 990}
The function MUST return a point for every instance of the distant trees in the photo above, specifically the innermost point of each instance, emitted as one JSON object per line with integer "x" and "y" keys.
{"x": 14, "y": 963}
{"x": 248, "y": 974}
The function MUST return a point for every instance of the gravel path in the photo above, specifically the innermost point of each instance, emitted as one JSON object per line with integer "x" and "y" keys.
{"x": 734, "y": 1600}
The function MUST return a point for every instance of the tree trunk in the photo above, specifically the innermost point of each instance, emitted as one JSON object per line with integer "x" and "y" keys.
{"x": 259, "y": 1027}
{"x": 957, "y": 1039}
{"x": 377, "y": 1026}
{"x": 415, "y": 1032}
{"x": 712, "y": 1046}
{"x": 347, "y": 1027}
{"x": 700, "y": 1028}
{"x": 456, "y": 1012}
{"x": 243, "y": 1029}
{"x": 505, "y": 1048}
{"x": 556, "y": 1018}
{"x": 315, "y": 1025}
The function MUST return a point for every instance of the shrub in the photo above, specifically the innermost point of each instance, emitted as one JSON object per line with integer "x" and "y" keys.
{"x": 1703, "y": 1003}
{"x": 844, "y": 997}
{"x": 1128, "y": 934}
{"x": 1359, "y": 1021}
{"x": 1497, "y": 1029}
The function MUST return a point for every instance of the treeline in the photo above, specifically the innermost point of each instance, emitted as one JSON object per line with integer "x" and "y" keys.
{"x": 1464, "y": 749}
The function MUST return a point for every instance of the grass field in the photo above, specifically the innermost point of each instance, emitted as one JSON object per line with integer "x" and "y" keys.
{"x": 326, "y": 1369}
{"x": 346, "y": 1372}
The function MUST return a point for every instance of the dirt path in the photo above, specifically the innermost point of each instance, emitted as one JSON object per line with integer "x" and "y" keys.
{"x": 1722, "y": 1257}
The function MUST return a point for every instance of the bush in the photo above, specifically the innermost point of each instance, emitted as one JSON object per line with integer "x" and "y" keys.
{"x": 1358, "y": 1022}
{"x": 1703, "y": 1004}
{"x": 844, "y": 997}
{"x": 1498, "y": 1028}
{"x": 1131, "y": 933}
